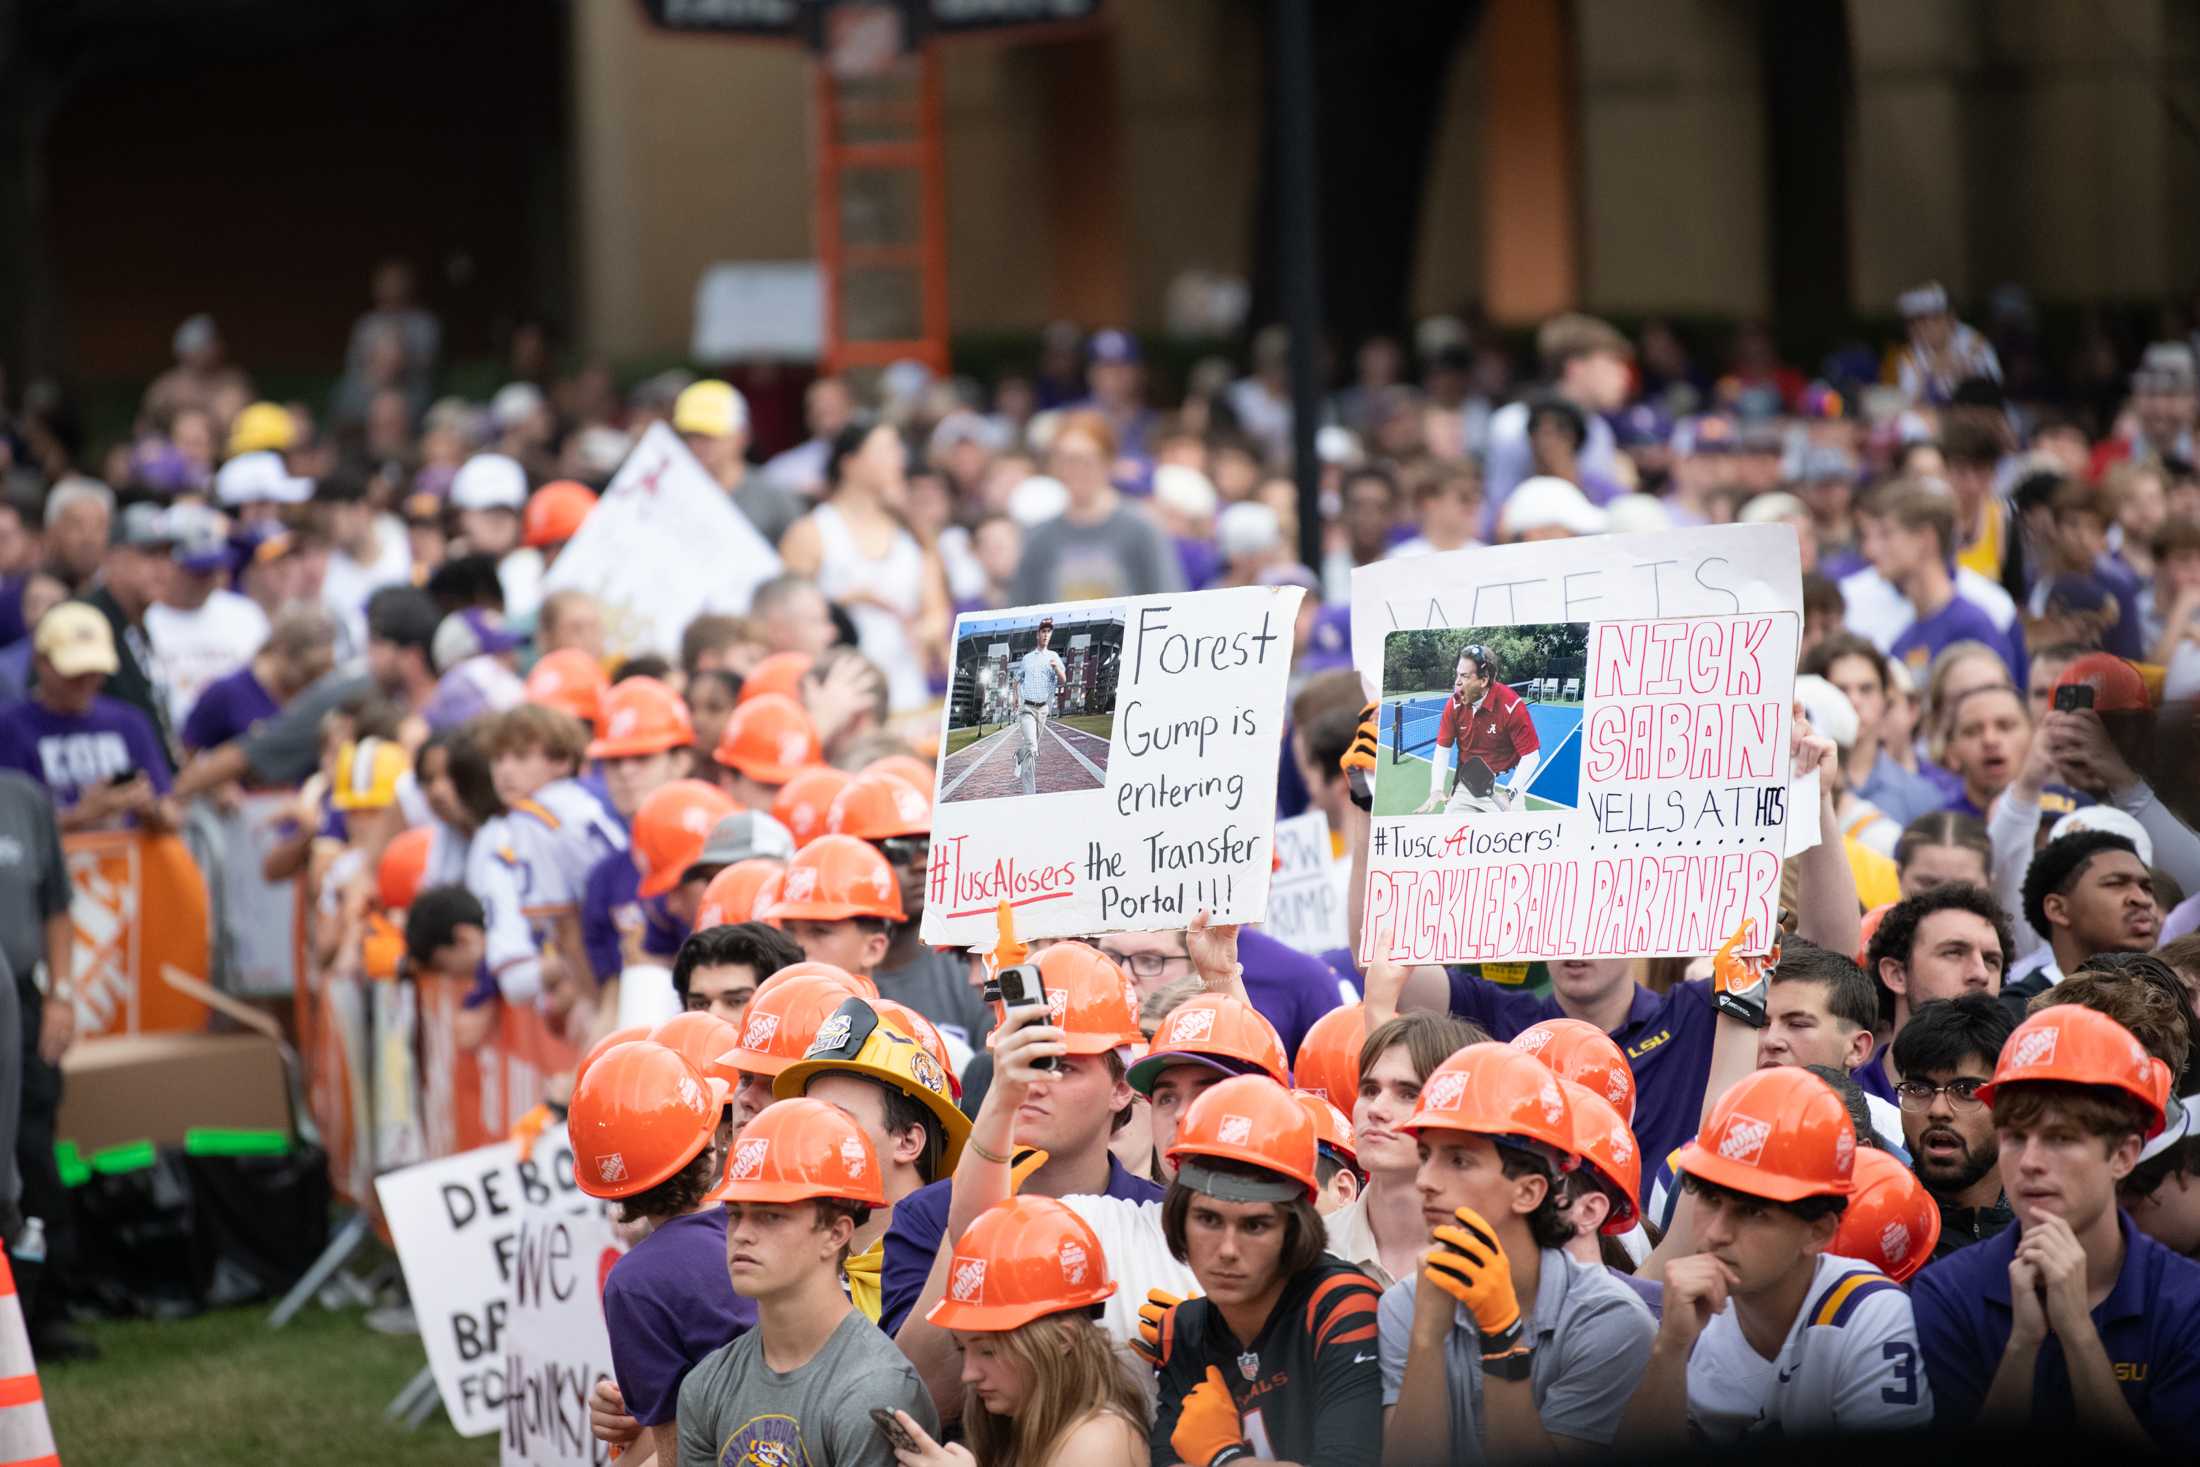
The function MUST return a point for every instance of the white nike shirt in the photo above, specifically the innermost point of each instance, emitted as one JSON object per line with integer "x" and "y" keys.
{"x": 1850, "y": 1363}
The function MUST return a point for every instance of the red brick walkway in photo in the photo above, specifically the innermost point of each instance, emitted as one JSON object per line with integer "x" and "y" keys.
{"x": 1069, "y": 759}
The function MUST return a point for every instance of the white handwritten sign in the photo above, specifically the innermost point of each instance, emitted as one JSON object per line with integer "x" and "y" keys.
{"x": 1110, "y": 765}
{"x": 558, "y": 1345}
{"x": 1306, "y": 901}
{"x": 457, "y": 1224}
{"x": 1585, "y": 744}
{"x": 663, "y": 546}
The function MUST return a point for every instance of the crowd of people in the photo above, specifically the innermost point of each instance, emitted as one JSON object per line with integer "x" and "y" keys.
{"x": 1931, "y": 1164}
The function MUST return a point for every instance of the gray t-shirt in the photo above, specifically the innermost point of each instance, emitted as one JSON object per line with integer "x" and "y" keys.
{"x": 1122, "y": 555}
{"x": 285, "y": 750}
{"x": 34, "y": 874}
{"x": 1592, "y": 1340}
{"x": 736, "y": 1411}
{"x": 937, "y": 986}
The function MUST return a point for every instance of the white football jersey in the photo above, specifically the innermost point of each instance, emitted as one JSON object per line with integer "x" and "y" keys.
{"x": 1138, "y": 1258}
{"x": 1850, "y": 1363}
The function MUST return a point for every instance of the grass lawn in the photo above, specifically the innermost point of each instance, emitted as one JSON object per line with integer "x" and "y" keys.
{"x": 224, "y": 1389}
{"x": 959, "y": 739}
{"x": 1100, "y": 725}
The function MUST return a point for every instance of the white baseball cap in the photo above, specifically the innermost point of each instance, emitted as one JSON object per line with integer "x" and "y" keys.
{"x": 1185, "y": 490}
{"x": 1546, "y": 502}
{"x": 2109, "y": 820}
{"x": 1635, "y": 513}
{"x": 490, "y": 481}
{"x": 1828, "y": 708}
{"x": 260, "y": 478}
{"x": 1038, "y": 499}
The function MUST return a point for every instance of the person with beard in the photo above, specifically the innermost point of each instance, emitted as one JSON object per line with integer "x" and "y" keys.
{"x": 1945, "y": 1053}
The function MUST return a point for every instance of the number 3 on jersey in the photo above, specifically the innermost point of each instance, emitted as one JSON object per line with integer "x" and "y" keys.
{"x": 1903, "y": 1392}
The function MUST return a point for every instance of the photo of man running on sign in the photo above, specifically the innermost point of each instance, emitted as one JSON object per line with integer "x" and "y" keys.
{"x": 1039, "y": 677}
{"x": 1477, "y": 720}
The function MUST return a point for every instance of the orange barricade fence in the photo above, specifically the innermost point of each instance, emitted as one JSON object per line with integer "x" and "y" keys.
{"x": 139, "y": 902}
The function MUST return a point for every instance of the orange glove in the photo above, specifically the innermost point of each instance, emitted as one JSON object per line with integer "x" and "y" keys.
{"x": 1359, "y": 759}
{"x": 1150, "y": 1314}
{"x": 1469, "y": 1264}
{"x": 1739, "y": 985}
{"x": 528, "y": 1129}
{"x": 1026, "y": 1160}
{"x": 1208, "y": 1432}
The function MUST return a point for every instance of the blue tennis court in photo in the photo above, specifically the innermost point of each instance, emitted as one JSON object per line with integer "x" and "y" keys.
{"x": 1408, "y": 730}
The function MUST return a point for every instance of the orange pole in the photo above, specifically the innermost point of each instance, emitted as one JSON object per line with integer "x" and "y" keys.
{"x": 932, "y": 230}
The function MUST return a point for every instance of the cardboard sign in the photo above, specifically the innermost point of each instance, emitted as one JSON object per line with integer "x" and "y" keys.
{"x": 457, "y": 1225}
{"x": 1306, "y": 902}
{"x": 139, "y": 903}
{"x": 663, "y": 546}
{"x": 558, "y": 1344}
{"x": 1585, "y": 744}
{"x": 1119, "y": 778}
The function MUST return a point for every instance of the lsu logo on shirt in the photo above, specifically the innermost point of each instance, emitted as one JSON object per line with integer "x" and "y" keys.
{"x": 765, "y": 1441}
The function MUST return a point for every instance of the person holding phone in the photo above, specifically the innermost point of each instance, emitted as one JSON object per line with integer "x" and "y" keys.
{"x": 798, "y": 1390}
{"x": 1042, "y": 1384}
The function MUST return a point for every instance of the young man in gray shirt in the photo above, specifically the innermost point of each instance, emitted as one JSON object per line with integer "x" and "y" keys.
{"x": 798, "y": 1390}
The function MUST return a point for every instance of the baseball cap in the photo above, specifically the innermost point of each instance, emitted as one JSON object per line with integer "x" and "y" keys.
{"x": 1328, "y": 641}
{"x": 468, "y": 634}
{"x": 1929, "y": 299}
{"x": 1637, "y": 513}
{"x": 76, "y": 639}
{"x": 195, "y": 334}
{"x": 260, "y": 477}
{"x": 1247, "y": 528}
{"x": 711, "y": 408}
{"x": 1185, "y": 490}
{"x": 2117, "y": 685}
{"x": 262, "y": 427}
{"x": 1828, "y": 708}
{"x": 2166, "y": 367}
{"x": 964, "y": 426}
{"x": 1337, "y": 446}
{"x": 1643, "y": 425}
{"x": 1112, "y": 346}
{"x": 743, "y": 835}
{"x": 2077, "y": 593}
{"x": 1038, "y": 499}
{"x": 1770, "y": 509}
{"x": 143, "y": 526}
{"x": 367, "y": 774}
{"x": 1823, "y": 461}
{"x": 2111, "y": 821}
{"x": 489, "y": 481}
{"x": 514, "y": 403}
{"x": 203, "y": 551}
{"x": 1545, "y": 502}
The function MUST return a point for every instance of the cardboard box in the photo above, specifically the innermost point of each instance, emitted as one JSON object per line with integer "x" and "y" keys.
{"x": 155, "y": 1087}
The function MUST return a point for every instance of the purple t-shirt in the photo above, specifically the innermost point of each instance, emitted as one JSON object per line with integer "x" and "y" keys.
{"x": 70, "y": 754}
{"x": 1290, "y": 988}
{"x": 667, "y": 1304}
{"x": 1667, "y": 1042}
{"x": 913, "y": 1238}
{"x": 1958, "y": 621}
{"x": 227, "y": 708}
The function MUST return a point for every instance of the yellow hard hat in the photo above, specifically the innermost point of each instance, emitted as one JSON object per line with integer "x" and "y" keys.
{"x": 263, "y": 425}
{"x": 855, "y": 1040}
{"x": 367, "y": 773}
{"x": 711, "y": 408}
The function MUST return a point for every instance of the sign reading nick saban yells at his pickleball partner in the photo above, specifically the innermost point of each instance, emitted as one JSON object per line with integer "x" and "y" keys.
{"x": 1584, "y": 744}
{"x": 1110, "y": 765}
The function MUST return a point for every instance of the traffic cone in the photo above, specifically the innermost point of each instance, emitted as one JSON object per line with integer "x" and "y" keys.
{"x": 26, "y": 1438}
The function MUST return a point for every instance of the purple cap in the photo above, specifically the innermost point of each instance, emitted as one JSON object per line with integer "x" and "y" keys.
{"x": 465, "y": 635}
{"x": 1644, "y": 425}
{"x": 1328, "y": 641}
{"x": 2077, "y": 593}
{"x": 1112, "y": 346}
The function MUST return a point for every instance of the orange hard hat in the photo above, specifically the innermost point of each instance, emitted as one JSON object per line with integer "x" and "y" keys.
{"x": 768, "y": 738}
{"x": 670, "y": 827}
{"x": 570, "y": 681}
{"x": 767, "y": 898}
{"x": 802, "y": 802}
{"x": 2080, "y": 1046}
{"x": 731, "y": 895}
{"x": 1216, "y": 1032}
{"x": 700, "y": 1038}
{"x": 1780, "y": 1134}
{"x": 1332, "y": 1127}
{"x": 924, "y": 1031}
{"x": 834, "y": 878}
{"x": 1891, "y": 1220}
{"x": 855, "y": 983}
{"x": 1090, "y": 999}
{"x": 877, "y": 806}
{"x": 606, "y": 1044}
{"x": 554, "y": 512}
{"x": 1607, "y": 1149}
{"x": 1865, "y": 932}
{"x": 1494, "y": 1090}
{"x": 1328, "y": 1061}
{"x": 916, "y": 773}
{"x": 640, "y": 1114}
{"x": 1249, "y": 1119}
{"x": 780, "y": 673}
{"x": 1581, "y": 1052}
{"x": 781, "y": 1020}
{"x": 640, "y": 715}
{"x": 1021, "y": 1259}
{"x": 796, "y": 1150}
{"x": 404, "y": 866}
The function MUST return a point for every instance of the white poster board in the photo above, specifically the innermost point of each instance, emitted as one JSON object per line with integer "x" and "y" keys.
{"x": 663, "y": 546}
{"x": 1142, "y": 790}
{"x": 1306, "y": 901}
{"x": 1656, "y": 673}
{"x": 457, "y": 1225}
{"x": 751, "y": 308}
{"x": 558, "y": 1346}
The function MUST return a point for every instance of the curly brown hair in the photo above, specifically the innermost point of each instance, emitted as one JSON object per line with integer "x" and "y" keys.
{"x": 677, "y": 1195}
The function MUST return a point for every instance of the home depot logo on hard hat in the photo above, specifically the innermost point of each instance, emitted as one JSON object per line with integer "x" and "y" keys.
{"x": 1445, "y": 1091}
{"x": 2036, "y": 1048}
{"x": 611, "y": 1167}
{"x": 1236, "y": 1130}
{"x": 1554, "y": 1104}
{"x": 1894, "y": 1242}
{"x": 801, "y": 884}
{"x": 748, "y": 1157}
{"x": 969, "y": 1279}
{"x": 793, "y": 748}
{"x": 1623, "y": 1144}
{"x": 1195, "y": 1024}
{"x": 851, "y": 1155}
{"x": 1073, "y": 1261}
{"x": 1745, "y": 1139}
{"x": 1533, "y": 1041}
{"x": 760, "y": 1031}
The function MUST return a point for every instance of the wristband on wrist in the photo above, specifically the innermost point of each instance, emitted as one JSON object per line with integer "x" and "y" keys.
{"x": 993, "y": 1156}
{"x": 1230, "y": 1453}
{"x": 1749, "y": 1010}
{"x": 1513, "y": 1364}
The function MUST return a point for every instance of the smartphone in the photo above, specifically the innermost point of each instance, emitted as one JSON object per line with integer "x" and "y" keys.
{"x": 1021, "y": 989}
{"x": 896, "y": 1436}
{"x": 2072, "y": 696}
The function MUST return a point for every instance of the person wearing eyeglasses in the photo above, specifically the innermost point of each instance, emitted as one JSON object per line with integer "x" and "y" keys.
{"x": 1290, "y": 988}
{"x": 1485, "y": 730}
{"x": 1944, "y": 1054}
